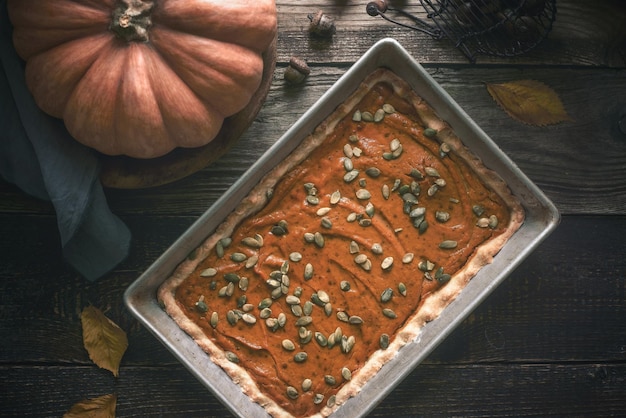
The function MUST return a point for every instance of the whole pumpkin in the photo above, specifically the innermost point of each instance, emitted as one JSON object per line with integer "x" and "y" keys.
{"x": 142, "y": 77}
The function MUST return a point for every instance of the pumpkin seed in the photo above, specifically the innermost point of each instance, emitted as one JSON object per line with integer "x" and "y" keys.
{"x": 431, "y": 171}
{"x": 388, "y": 156}
{"x": 347, "y": 151}
{"x": 328, "y": 309}
{"x": 482, "y": 222}
{"x": 389, "y": 109}
{"x": 321, "y": 339}
{"x": 323, "y": 211}
{"x": 355, "y": 320}
{"x": 331, "y": 401}
{"x": 252, "y": 261}
{"x": 379, "y": 115}
{"x": 396, "y": 185}
{"x": 288, "y": 345}
{"x": 335, "y": 197}
{"x": 219, "y": 249}
{"x": 357, "y": 116}
{"x": 407, "y": 258}
{"x": 201, "y": 306}
{"x": 346, "y": 374}
{"x": 363, "y": 194}
{"x": 304, "y": 321}
{"x": 387, "y": 263}
{"x": 319, "y": 239}
{"x": 353, "y": 138}
{"x": 265, "y": 303}
{"x": 360, "y": 258}
{"x": 367, "y": 116}
{"x": 265, "y": 313}
{"x": 210, "y": 272}
{"x": 232, "y": 317}
{"x": 402, "y": 288}
{"x": 493, "y": 222}
{"x": 232, "y": 357}
{"x": 296, "y": 310}
{"x": 354, "y": 247}
{"x": 448, "y": 244}
{"x": 357, "y": 152}
{"x": 330, "y": 380}
{"x": 307, "y": 308}
{"x": 251, "y": 242}
{"x": 351, "y": 217}
{"x": 232, "y": 277}
{"x": 312, "y": 200}
{"x": 348, "y": 165}
{"x": 238, "y": 257}
{"x": 342, "y": 316}
{"x": 365, "y": 222}
{"x": 377, "y": 248}
{"x": 432, "y": 190}
{"x": 214, "y": 319}
{"x": 394, "y": 144}
{"x": 430, "y": 132}
{"x": 307, "y": 384}
{"x": 278, "y": 230}
{"x": 344, "y": 285}
{"x": 383, "y": 341}
{"x": 386, "y": 295}
{"x": 248, "y": 318}
{"x": 347, "y": 343}
{"x": 416, "y": 174}
{"x": 442, "y": 216}
{"x": 292, "y": 392}
{"x": 326, "y": 222}
{"x": 373, "y": 172}
{"x": 295, "y": 256}
{"x": 367, "y": 266}
{"x": 441, "y": 183}
{"x": 308, "y": 271}
{"x": 282, "y": 319}
{"x": 309, "y": 237}
{"x": 389, "y": 313}
{"x": 292, "y": 300}
{"x": 272, "y": 323}
{"x": 385, "y": 191}
{"x": 318, "y": 398}
{"x": 395, "y": 154}
{"x": 323, "y": 296}
{"x": 478, "y": 210}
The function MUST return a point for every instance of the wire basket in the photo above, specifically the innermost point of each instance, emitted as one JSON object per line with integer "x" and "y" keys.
{"x": 502, "y": 28}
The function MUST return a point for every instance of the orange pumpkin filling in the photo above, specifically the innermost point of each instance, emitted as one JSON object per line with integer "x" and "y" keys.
{"x": 353, "y": 240}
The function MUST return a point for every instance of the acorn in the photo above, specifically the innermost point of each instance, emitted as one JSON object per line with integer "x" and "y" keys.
{"x": 297, "y": 71}
{"x": 321, "y": 25}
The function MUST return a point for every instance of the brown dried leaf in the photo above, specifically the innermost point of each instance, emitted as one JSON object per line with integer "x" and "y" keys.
{"x": 101, "y": 407}
{"x": 529, "y": 101}
{"x": 105, "y": 342}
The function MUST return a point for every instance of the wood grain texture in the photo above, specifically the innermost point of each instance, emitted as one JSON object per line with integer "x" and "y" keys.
{"x": 549, "y": 341}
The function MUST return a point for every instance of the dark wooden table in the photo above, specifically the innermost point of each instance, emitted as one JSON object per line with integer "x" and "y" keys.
{"x": 551, "y": 340}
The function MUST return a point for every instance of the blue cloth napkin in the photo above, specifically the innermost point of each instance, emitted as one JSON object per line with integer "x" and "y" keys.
{"x": 38, "y": 155}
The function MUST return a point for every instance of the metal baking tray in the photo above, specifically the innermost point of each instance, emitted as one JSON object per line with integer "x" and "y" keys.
{"x": 541, "y": 219}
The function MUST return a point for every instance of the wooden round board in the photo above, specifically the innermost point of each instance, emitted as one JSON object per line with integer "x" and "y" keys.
{"x": 121, "y": 172}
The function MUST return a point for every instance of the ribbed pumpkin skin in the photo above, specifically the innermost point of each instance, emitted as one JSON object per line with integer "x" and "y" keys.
{"x": 201, "y": 63}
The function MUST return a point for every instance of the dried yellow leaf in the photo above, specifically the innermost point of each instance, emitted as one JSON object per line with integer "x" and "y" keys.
{"x": 529, "y": 101}
{"x": 105, "y": 342}
{"x": 101, "y": 407}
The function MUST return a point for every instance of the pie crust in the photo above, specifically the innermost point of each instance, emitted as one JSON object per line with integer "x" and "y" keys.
{"x": 388, "y": 250}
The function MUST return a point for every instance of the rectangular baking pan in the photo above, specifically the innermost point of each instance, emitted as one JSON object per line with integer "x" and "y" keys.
{"x": 541, "y": 219}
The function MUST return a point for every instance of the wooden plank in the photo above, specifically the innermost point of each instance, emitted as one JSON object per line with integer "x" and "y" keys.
{"x": 526, "y": 389}
{"x": 580, "y": 164}
{"x": 584, "y": 33}
{"x": 529, "y": 317}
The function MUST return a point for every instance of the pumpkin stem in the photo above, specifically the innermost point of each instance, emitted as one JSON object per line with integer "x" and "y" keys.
{"x": 131, "y": 20}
